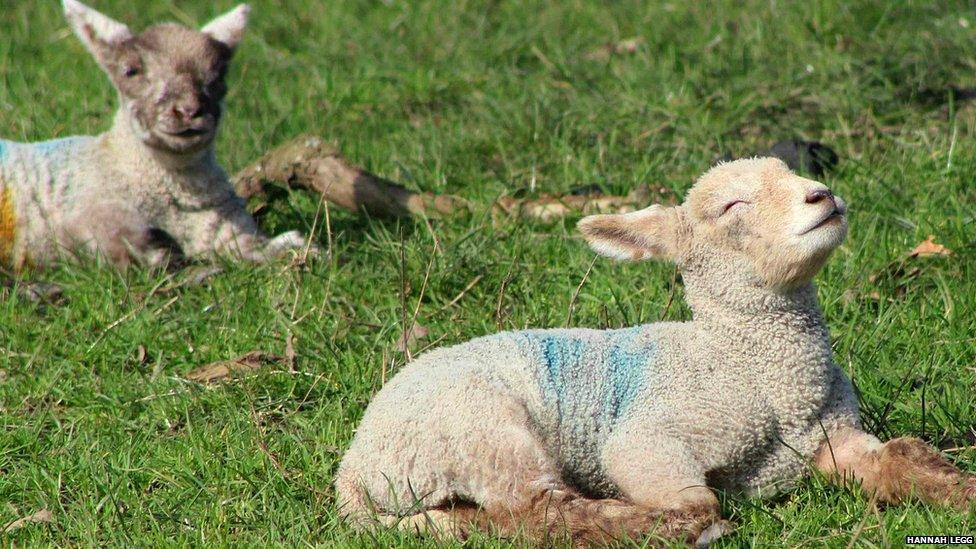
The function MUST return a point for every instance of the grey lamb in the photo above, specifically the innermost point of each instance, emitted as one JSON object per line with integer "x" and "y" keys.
{"x": 150, "y": 185}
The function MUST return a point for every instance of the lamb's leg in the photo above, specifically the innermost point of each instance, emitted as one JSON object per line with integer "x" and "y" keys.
{"x": 563, "y": 513}
{"x": 665, "y": 496}
{"x": 120, "y": 235}
{"x": 465, "y": 472}
{"x": 660, "y": 475}
{"x": 231, "y": 232}
{"x": 496, "y": 476}
{"x": 895, "y": 470}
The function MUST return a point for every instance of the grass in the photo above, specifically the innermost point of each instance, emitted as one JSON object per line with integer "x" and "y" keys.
{"x": 481, "y": 99}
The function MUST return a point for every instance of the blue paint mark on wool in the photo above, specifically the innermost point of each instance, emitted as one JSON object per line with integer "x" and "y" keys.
{"x": 55, "y": 145}
{"x": 560, "y": 354}
{"x": 617, "y": 360}
{"x": 627, "y": 364}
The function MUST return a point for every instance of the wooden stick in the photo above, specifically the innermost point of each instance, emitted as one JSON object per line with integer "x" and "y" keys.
{"x": 311, "y": 163}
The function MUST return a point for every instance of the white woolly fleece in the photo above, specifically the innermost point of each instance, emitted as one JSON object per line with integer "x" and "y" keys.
{"x": 739, "y": 398}
{"x": 69, "y": 193}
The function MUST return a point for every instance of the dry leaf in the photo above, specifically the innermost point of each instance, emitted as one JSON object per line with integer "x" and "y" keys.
{"x": 929, "y": 248}
{"x": 629, "y": 45}
{"x": 894, "y": 281}
{"x": 41, "y": 516}
{"x": 625, "y": 46}
{"x": 220, "y": 370}
{"x": 416, "y": 331}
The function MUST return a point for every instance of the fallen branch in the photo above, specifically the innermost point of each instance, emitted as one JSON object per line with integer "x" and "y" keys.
{"x": 550, "y": 207}
{"x": 311, "y": 163}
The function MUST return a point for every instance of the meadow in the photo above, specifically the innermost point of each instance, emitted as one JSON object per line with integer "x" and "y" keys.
{"x": 100, "y": 426}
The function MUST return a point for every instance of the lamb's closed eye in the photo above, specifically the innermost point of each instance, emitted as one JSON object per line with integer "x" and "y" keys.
{"x": 734, "y": 206}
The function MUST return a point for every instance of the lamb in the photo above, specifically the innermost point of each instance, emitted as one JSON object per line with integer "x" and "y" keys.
{"x": 600, "y": 435}
{"x": 150, "y": 186}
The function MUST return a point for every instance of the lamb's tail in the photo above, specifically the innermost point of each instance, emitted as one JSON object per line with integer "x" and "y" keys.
{"x": 354, "y": 506}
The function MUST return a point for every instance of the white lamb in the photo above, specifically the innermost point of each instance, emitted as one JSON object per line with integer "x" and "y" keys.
{"x": 150, "y": 185}
{"x": 619, "y": 433}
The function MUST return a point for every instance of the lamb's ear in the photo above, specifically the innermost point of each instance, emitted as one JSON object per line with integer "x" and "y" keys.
{"x": 229, "y": 27}
{"x": 655, "y": 232}
{"x": 100, "y": 34}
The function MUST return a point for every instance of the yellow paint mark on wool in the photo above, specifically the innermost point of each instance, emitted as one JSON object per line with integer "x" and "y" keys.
{"x": 8, "y": 225}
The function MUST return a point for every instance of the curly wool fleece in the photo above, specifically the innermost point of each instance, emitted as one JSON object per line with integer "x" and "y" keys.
{"x": 87, "y": 189}
{"x": 151, "y": 184}
{"x": 738, "y": 399}
{"x": 580, "y": 387}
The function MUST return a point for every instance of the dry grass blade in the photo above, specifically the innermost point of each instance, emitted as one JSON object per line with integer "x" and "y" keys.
{"x": 466, "y": 289}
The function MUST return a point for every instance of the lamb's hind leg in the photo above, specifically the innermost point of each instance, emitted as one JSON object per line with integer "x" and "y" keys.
{"x": 523, "y": 494}
{"x": 438, "y": 477}
{"x": 565, "y": 514}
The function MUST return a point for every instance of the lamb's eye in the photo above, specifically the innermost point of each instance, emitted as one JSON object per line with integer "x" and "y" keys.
{"x": 131, "y": 71}
{"x": 733, "y": 204}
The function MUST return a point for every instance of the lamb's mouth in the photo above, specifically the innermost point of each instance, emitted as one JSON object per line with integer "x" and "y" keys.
{"x": 188, "y": 133}
{"x": 834, "y": 215}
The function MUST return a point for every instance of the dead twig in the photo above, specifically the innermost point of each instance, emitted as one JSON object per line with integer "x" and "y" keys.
{"x": 572, "y": 300}
{"x": 550, "y": 207}
{"x": 463, "y": 292}
{"x": 310, "y": 163}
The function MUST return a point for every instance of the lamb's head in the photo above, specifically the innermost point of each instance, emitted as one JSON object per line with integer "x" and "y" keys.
{"x": 170, "y": 78}
{"x": 744, "y": 223}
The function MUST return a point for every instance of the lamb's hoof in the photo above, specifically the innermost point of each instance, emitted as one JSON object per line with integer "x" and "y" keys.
{"x": 290, "y": 241}
{"x": 713, "y": 533}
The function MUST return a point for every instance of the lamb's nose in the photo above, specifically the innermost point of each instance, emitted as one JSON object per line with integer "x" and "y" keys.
{"x": 187, "y": 111}
{"x": 820, "y": 194}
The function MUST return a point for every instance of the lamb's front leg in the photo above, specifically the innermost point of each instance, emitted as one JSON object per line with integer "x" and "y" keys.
{"x": 660, "y": 474}
{"x": 118, "y": 233}
{"x": 230, "y": 231}
{"x": 895, "y": 470}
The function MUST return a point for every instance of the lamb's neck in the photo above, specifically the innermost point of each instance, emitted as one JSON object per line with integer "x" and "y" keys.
{"x": 778, "y": 323}
{"x": 130, "y": 153}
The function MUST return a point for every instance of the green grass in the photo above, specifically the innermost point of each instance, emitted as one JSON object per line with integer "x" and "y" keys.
{"x": 480, "y": 99}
